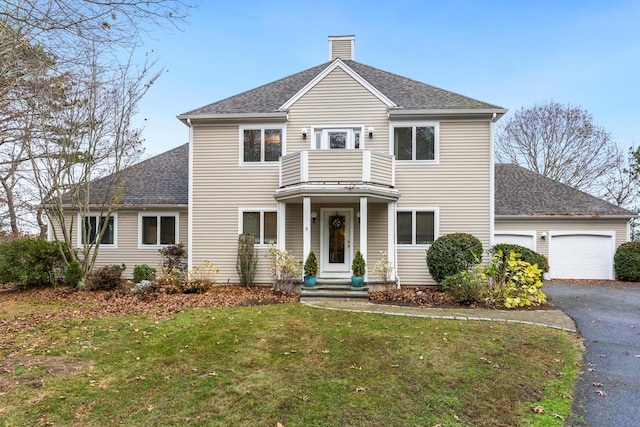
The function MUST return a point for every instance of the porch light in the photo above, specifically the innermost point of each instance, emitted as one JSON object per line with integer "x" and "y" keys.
{"x": 358, "y": 216}
{"x": 314, "y": 217}
{"x": 304, "y": 133}
{"x": 371, "y": 133}
{"x": 543, "y": 235}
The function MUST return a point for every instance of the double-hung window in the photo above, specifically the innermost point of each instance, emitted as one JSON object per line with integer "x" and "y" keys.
{"x": 91, "y": 227}
{"x": 262, "y": 223}
{"x": 260, "y": 144}
{"x": 417, "y": 226}
{"x": 158, "y": 229}
{"x": 416, "y": 142}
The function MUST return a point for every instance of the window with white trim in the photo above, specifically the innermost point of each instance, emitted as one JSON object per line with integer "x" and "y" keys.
{"x": 91, "y": 227}
{"x": 416, "y": 226}
{"x": 158, "y": 229}
{"x": 263, "y": 224}
{"x": 260, "y": 144}
{"x": 416, "y": 142}
{"x": 337, "y": 138}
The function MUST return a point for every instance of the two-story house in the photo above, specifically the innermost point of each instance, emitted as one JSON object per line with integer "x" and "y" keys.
{"x": 344, "y": 157}
{"x": 336, "y": 158}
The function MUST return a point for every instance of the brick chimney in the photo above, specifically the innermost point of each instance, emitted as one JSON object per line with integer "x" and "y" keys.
{"x": 341, "y": 47}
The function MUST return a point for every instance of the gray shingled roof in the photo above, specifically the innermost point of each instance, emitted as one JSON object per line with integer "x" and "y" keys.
{"x": 159, "y": 180}
{"x": 521, "y": 192}
{"x": 406, "y": 93}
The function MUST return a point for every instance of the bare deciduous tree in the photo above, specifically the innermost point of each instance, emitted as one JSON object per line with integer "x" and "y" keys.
{"x": 560, "y": 142}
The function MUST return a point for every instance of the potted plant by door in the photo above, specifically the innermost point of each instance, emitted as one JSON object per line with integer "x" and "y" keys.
{"x": 310, "y": 270}
{"x": 358, "y": 268}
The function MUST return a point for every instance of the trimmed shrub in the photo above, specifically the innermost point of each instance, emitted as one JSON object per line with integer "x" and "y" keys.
{"x": 464, "y": 287}
{"x": 311, "y": 265}
{"x": 104, "y": 278}
{"x": 73, "y": 274}
{"x": 143, "y": 272}
{"x": 453, "y": 253}
{"x": 526, "y": 254}
{"x": 30, "y": 262}
{"x": 626, "y": 262}
{"x": 247, "y": 259}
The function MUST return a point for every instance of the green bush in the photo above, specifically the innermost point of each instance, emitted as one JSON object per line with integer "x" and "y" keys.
{"x": 513, "y": 282}
{"x": 453, "y": 253}
{"x": 73, "y": 274}
{"x": 247, "y": 259}
{"x": 358, "y": 266}
{"x": 104, "y": 278}
{"x": 30, "y": 262}
{"x": 626, "y": 262}
{"x": 311, "y": 265}
{"x": 143, "y": 272}
{"x": 528, "y": 255}
{"x": 464, "y": 287}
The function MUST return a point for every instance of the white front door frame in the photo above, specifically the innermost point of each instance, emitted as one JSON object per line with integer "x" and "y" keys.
{"x": 336, "y": 270}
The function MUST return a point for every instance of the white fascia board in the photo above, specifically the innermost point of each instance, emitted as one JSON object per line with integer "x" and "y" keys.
{"x": 337, "y": 63}
{"x": 239, "y": 116}
{"x": 562, "y": 217}
{"x": 410, "y": 114}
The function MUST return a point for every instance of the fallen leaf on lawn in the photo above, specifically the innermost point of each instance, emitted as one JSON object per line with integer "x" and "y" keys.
{"x": 325, "y": 351}
{"x": 538, "y": 409}
{"x": 558, "y": 416}
{"x": 359, "y": 368}
{"x": 360, "y": 389}
{"x": 395, "y": 366}
{"x": 590, "y": 370}
{"x": 279, "y": 424}
{"x": 151, "y": 408}
{"x": 304, "y": 398}
{"x": 603, "y": 355}
{"x": 457, "y": 418}
{"x": 601, "y": 393}
{"x": 597, "y": 384}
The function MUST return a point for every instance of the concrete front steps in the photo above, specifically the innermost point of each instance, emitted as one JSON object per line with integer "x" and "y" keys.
{"x": 333, "y": 288}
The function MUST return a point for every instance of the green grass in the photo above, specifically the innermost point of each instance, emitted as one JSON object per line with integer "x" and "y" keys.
{"x": 291, "y": 364}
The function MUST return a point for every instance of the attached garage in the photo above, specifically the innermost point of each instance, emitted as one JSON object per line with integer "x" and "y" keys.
{"x": 575, "y": 255}
{"x": 577, "y": 232}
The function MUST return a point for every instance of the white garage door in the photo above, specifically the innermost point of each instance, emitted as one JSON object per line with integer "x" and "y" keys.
{"x": 581, "y": 256}
{"x": 513, "y": 238}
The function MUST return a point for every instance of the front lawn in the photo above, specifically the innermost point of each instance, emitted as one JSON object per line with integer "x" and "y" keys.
{"x": 286, "y": 363}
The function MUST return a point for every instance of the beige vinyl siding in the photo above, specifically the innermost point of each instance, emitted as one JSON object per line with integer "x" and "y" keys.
{"x": 377, "y": 235}
{"x": 459, "y": 186}
{"x": 128, "y": 251}
{"x": 540, "y": 225}
{"x": 338, "y": 100}
{"x": 341, "y": 49}
{"x": 381, "y": 168}
{"x": 220, "y": 187}
{"x": 347, "y": 166}
{"x": 291, "y": 170}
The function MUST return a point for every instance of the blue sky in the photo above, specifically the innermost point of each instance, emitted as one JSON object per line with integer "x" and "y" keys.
{"x": 510, "y": 53}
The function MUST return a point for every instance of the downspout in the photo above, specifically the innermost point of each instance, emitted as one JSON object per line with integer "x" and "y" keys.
{"x": 492, "y": 181}
{"x": 190, "y": 201}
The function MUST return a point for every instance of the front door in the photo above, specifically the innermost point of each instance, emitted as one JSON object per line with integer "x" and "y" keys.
{"x": 335, "y": 240}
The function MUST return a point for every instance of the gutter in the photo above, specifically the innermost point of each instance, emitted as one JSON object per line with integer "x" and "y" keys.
{"x": 188, "y": 118}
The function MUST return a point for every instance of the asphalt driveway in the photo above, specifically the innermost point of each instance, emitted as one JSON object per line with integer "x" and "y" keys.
{"x": 608, "y": 317}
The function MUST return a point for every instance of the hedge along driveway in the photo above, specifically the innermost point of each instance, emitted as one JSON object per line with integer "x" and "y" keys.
{"x": 608, "y": 316}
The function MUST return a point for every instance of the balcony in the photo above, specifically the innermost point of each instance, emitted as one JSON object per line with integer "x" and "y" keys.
{"x": 337, "y": 167}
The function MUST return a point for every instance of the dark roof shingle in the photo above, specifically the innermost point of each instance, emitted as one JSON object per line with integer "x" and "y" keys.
{"x": 404, "y": 92}
{"x": 159, "y": 180}
{"x": 521, "y": 192}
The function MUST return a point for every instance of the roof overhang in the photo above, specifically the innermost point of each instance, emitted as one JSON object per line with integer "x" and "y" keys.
{"x": 563, "y": 217}
{"x": 129, "y": 206}
{"x": 492, "y": 114}
{"x": 334, "y": 192}
{"x": 191, "y": 119}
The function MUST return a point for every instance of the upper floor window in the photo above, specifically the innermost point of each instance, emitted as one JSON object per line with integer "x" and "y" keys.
{"x": 92, "y": 226}
{"x": 260, "y": 145}
{"x": 263, "y": 224}
{"x": 158, "y": 229}
{"x": 416, "y": 143}
{"x": 417, "y": 226}
{"x": 337, "y": 139}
